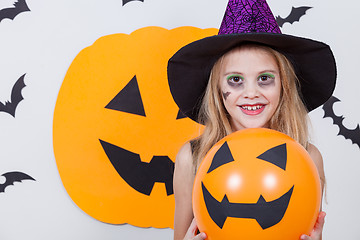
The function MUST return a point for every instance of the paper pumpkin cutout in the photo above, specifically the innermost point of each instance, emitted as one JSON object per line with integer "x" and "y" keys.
{"x": 257, "y": 184}
{"x": 117, "y": 129}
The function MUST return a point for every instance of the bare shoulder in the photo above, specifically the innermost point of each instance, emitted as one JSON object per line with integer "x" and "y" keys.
{"x": 184, "y": 173}
{"x": 183, "y": 181}
{"x": 316, "y": 156}
{"x": 318, "y": 160}
{"x": 184, "y": 156}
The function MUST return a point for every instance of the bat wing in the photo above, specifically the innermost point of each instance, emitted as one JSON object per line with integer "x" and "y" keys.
{"x": 280, "y": 21}
{"x": 16, "y": 97}
{"x": 352, "y": 134}
{"x": 294, "y": 16}
{"x": 12, "y": 177}
{"x": 126, "y": 1}
{"x": 329, "y": 112}
{"x": 10, "y": 13}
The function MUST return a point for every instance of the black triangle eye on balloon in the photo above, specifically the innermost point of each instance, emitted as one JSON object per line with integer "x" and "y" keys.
{"x": 221, "y": 157}
{"x": 276, "y": 155}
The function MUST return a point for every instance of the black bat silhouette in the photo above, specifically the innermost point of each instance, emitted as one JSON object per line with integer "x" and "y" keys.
{"x": 16, "y": 97}
{"x": 19, "y": 7}
{"x": 126, "y": 1}
{"x": 141, "y": 176}
{"x": 352, "y": 134}
{"x": 12, "y": 177}
{"x": 295, "y": 15}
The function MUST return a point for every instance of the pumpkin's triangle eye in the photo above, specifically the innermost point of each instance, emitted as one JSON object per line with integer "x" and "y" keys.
{"x": 128, "y": 99}
{"x": 180, "y": 115}
{"x": 221, "y": 157}
{"x": 276, "y": 155}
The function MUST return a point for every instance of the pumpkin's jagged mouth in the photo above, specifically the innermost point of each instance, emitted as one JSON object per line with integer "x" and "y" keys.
{"x": 267, "y": 214}
{"x": 141, "y": 176}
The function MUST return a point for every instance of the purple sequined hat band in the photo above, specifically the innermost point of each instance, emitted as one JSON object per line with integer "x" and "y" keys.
{"x": 247, "y": 16}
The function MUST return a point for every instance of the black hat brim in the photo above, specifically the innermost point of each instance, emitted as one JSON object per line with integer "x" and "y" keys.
{"x": 189, "y": 68}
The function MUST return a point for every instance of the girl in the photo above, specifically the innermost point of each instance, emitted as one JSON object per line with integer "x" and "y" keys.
{"x": 242, "y": 79}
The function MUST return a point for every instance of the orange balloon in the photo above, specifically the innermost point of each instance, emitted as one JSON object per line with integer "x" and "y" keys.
{"x": 256, "y": 184}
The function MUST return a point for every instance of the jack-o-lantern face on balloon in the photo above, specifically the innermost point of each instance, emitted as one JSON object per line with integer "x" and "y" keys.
{"x": 257, "y": 184}
{"x": 117, "y": 129}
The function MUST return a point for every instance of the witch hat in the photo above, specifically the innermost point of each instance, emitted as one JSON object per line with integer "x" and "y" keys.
{"x": 250, "y": 21}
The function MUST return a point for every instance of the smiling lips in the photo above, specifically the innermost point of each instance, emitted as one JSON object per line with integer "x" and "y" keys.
{"x": 252, "y": 109}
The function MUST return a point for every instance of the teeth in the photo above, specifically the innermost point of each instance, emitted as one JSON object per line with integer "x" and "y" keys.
{"x": 252, "y": 108}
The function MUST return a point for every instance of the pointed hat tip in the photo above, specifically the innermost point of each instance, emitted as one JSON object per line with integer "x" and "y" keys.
{"x": 247, "y": 16}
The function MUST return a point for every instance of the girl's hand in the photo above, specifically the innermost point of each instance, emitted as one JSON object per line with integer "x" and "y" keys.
{"x": 191, "y": 232}
{"x": 317, "y": 231}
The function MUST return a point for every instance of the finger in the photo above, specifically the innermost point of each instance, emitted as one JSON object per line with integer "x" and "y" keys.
{"x": 193, "y": 227}
{"x": 191, "y": 230}
{"x": 317, "y": 231}
{"x": 305, "y": 237}
{"x": 200, "y": 236}
{"x": 318, "y": 228}
{"x": 320, "y": 222}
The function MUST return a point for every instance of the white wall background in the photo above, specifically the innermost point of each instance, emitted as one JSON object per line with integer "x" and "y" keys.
{"x": 43, "y": 42}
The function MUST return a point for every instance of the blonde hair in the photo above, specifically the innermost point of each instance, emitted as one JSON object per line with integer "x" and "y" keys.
{"x": 290, "y": 117}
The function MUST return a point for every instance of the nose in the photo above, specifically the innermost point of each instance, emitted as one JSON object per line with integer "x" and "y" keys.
{"x": 251, "y": 90}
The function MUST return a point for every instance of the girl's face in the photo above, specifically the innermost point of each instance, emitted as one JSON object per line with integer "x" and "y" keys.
{"x": 251, "y": 87}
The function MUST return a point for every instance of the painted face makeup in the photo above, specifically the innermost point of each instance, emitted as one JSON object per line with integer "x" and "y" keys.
{"x": 225, "y": 95}
{"x": 235, "y": 80}
{"x": 266, "y": 79}
{"x": 251, "y": 86}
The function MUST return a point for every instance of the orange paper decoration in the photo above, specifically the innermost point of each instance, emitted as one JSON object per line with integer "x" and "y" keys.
{"x": 117, "y": 129}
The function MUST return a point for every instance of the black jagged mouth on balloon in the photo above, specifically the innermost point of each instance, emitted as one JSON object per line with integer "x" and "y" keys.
{"x": 141, "y": 176}
{"x": 267, "y": 214}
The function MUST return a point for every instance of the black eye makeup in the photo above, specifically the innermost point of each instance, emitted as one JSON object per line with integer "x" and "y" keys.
{"x": 234, "y": 80}
{"x": 266, "y": 79}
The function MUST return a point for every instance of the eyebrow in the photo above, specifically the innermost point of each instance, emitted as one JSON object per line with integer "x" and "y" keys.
{"x": 233, "y": 73}
{"x": 261, "y": 72}
{"x": 270, "y": 71}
